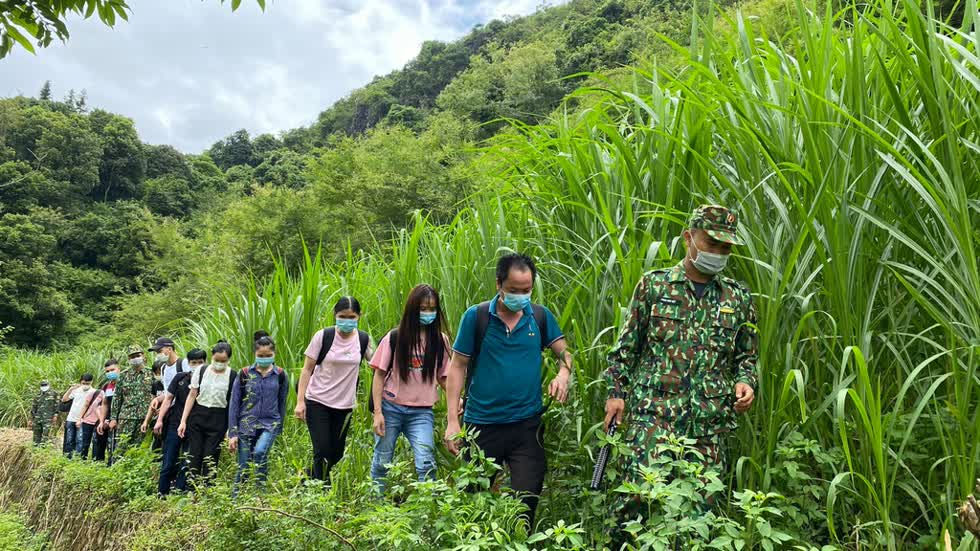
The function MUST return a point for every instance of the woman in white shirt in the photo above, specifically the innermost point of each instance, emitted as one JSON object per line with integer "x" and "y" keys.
{"x": 205, "y": 417}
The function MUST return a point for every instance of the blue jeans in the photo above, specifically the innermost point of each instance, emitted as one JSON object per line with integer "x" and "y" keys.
{"x": 71, "y": 437}
{"x": 254, "y": 449}
{"x": 83, "y": 440}
{"x": 173, "y": 470}
{"x": 416, "y": 424}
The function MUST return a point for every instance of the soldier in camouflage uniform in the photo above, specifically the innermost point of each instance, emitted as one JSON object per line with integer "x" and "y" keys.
{"x": 685, "y": 361}
{"x": 131, "y": 400}
{"x": 44, "y": 413}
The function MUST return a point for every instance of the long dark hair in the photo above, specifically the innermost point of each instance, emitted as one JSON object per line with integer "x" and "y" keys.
{"x": 411, "y": 332}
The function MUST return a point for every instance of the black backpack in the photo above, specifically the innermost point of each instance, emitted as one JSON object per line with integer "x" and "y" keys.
{"x": 326, "y": 341}
{"x": 483, "y": 322}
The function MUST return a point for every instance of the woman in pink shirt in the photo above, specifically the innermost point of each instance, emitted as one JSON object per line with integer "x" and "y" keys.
{"x": 411, "y": 360}
{"x": 328, "y": 384}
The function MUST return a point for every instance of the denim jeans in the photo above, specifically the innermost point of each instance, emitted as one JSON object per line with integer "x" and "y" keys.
{"x": 173, "y": 470}
{"x": 416, "y": 424}
{"x": 71, "y": 437}
{"x": 254, "y": 449}
{"x": 84, "y": 439}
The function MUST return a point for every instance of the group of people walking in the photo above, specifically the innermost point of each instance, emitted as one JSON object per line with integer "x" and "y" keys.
{"x": 683, "y": 364}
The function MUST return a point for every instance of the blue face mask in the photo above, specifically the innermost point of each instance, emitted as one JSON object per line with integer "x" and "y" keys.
{"x": 112, "y": 375}
{"x": 427, "y": 317}
{"x": 346, "y": 325}
{"x": 516, "y": 303}
{"x": 263, "y": 362}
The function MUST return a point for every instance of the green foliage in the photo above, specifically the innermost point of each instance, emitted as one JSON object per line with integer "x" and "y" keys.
{"x": 16, "y": 536}
{"x": 234, "y": 150}
{"x": 123, "y": 165}
{"x": 518, "y": 83}
{"x": 168, "y": 195}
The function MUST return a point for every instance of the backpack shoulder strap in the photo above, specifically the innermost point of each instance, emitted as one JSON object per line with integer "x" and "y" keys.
{"x": 364, "y": 339}
{"x": 542, "y": 321}
{"x": 392, "y": 346}
{"x": 482, "y": 323}
{"x": 200, "y": 374}
{"x": 325, "y": 343}
{"x": 231, "y": 384}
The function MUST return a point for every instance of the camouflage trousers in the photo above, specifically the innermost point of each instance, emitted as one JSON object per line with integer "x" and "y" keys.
{"x": 42, "y": 431}
{"x": 649, "y": 441}
{"x": 128, "y": 435}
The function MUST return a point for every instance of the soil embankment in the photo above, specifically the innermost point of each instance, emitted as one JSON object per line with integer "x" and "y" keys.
{"x": 74, "y": 514}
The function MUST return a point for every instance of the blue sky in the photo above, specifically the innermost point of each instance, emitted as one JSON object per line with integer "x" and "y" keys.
{"x": 190, "y": 72}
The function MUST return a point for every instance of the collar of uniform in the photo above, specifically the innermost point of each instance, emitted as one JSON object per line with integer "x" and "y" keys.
{"x": 254, "y": 368}
{"x": 678, "y": 274}
{"x": 528, "y": 312}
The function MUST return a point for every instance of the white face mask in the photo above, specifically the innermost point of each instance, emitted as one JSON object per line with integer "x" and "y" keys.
{"x": 86, "y": 386}
{"x": 219, "y": 366}
{"x": 136, "y": 362}
{"x": 45, "y": 388}
{"x": 708, "y": 263}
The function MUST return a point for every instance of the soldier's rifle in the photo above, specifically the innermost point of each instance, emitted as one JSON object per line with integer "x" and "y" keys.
{"x": 600, "y": 463}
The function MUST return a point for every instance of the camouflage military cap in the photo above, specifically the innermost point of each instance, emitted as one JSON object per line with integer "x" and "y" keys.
{"x": 134, "y": 349}
{"x": 720, "y": 222}
{"x": 44, "y": 382}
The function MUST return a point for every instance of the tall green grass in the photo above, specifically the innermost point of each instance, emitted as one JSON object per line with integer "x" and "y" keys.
{"x": 849, "y": 148}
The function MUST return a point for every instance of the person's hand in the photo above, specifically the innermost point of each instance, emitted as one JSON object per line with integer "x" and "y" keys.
{"x": 30, "y": 424}
{"x": 143, "y": 427}
{"x": 78, "y": 424}
{"x": 744, "y": 395}
{"x": 614, "y": 410}
{"x": 99, "y": 429}
{"x": 461, "y": 402}
{"x": 452, "y": 437}
{"x": 182, "y": 430}
{"x": 233, "y": 443}
{"x": 300, "y": 411}
{"x": 379, "y": 423}
{"x": 112, "y": 425}
{"x": 158, "y": 427}
{"x": 558, "y": 389}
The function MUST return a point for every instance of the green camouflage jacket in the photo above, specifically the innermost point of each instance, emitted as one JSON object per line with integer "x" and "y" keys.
{"x": 133, "y": 394}
{"x": 45, "y": 406}
{"x": 678, "y": 357}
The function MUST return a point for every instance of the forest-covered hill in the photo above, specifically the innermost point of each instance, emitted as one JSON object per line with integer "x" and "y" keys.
{"x": 98, "y": 229}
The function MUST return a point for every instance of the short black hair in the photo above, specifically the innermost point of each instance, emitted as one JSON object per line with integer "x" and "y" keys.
{"x": 259, "y": 334}
{"x": 87, "y": 377}
{"x": 111, "y": 361}
{"x": 265, "y": 341}
{"x": 221, "y": 346}
{"x": 197, "y": 354}
{"x": 347, "y": 303}
{"x": 520, "y": 261}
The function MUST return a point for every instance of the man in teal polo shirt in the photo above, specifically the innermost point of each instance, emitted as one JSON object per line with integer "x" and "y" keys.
{"x": 503, "y": 397}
